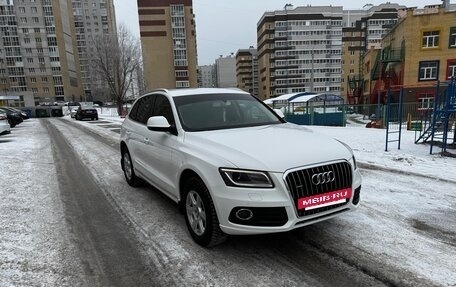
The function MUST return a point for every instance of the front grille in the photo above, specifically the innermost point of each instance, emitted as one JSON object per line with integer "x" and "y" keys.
{"x": 300, "y": 184}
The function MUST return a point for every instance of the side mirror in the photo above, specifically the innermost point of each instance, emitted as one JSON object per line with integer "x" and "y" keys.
{"x": 279, "y": 113}
{"x": 160, "y": 124}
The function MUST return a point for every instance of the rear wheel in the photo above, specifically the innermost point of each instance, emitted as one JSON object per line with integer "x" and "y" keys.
{"x": 127, "y": 166}
{"x": 200, "y": 214}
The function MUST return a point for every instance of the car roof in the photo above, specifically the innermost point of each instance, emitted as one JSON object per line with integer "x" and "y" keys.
{"x": 200, "y": 91}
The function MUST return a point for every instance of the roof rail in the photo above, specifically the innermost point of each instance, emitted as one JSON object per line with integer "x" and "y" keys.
{"x": 158, "y": 90}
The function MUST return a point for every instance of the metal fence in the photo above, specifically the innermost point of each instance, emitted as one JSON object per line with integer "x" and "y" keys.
{"x": 337, "y": 115}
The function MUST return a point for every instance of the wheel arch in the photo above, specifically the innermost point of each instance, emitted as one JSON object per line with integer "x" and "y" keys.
{"x": 186, "y": 175}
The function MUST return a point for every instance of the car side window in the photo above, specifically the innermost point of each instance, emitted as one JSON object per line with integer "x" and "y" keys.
{"x": 143, "y": 109}
{"x": 163, "y": 108}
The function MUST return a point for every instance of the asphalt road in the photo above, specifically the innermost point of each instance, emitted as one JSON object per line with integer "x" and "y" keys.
{"x": 137, "y": 237}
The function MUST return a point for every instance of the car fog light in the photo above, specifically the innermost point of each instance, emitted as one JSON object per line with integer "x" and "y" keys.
{"x": 244, "y": 214}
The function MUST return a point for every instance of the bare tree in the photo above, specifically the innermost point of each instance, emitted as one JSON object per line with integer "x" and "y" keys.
{"x": 116, "y": 59}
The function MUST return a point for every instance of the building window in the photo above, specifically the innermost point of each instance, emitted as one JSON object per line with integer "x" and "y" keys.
{"x": 32, "y": 80}
{"x": 38, "y": 40}
{"x": 26, "y": 40}
{"x": 22, "y": 10}
{"x": 426, "y": 103}
{"x": 182, "y": 84}
{"x": 23, "y": 19}
{"x": 452, "y": 43}
{"x": 28, "y": 50}
{"x": 451, "y": 69}
{"x": 36, "y": 30}
{"x": 31, "y": 70}
{"x": 46, "y": 90}
{"x": 181, "y": 74}
{"x": 428, "y": 71}
{"x": 35, "y": 90}
{"x": 59, "y": 91}
{"x": 35, "y": 19}
{"x": 30, "y": 60}
{"x": 44, "y": 79}
{"x": 34, "y": 10}
{"x": 430, "y": 39}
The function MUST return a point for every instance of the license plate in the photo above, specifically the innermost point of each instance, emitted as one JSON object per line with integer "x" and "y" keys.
{"x": 324, "y": 199}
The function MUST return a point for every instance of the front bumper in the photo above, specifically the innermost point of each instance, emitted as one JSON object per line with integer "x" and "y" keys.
{"x": 270, "y": 203}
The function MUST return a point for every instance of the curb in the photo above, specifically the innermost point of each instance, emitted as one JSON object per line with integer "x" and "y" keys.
{"x": 370, "y": 166}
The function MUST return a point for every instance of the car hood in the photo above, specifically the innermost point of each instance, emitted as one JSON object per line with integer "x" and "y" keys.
{"x": 274, "y": 148}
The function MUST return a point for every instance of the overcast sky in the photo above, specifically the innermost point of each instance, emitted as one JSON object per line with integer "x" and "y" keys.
{"x": 223, "y": 27}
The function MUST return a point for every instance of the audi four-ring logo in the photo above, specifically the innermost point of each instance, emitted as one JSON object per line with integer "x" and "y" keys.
{"x": 324, "y": 177}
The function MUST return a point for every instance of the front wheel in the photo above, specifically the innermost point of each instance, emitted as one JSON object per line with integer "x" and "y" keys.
{"x": 127, "y": 166}
{"x": 200, "y": 214}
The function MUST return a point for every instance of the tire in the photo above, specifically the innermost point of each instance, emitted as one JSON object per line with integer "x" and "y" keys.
{"x": 129, "y": 172}
{"x": 200, "y": 215}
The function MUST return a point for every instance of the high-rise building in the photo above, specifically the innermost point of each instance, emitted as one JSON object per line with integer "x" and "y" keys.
{"x": 38, "y": 51}
{"x": 92, "y": 20}
{"x": 247, "y": 70}
{"x": 168, "y": 40}
{"x": 225, "y": 70}
{"x": 299, "y": 50}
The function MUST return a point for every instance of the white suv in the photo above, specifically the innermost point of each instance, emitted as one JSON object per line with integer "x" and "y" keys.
{"x": 233, "y": 165}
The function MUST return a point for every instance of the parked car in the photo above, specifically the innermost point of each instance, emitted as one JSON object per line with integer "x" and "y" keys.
{"x": 233, "y": 165}
{"x": 23, "y": 114}
{"x": 4, "y": 124}
{"x": 86, "y": 112}
{"x": 14, "y": 118}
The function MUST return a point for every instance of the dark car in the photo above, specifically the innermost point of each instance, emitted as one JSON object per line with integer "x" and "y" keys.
{"x": 23, "y": 114}
{"x": 86, "y": 113}
{"x": 14, "y": 118}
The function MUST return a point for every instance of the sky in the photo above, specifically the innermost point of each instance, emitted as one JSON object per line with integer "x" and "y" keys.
{"x": 223, "y": 27}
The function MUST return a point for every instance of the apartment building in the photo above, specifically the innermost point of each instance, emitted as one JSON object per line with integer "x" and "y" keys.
{"x": 168, "y": 39}
{"x": 247, "y": 70}
{"x": 299, "y": 50}
{"x": 225, "y": 71}
{"x": 418, "y": 52}
{"x": 366, "y": 33}
{"x": 92, "y": 20}
{"x": 38, "y": 53}
{"x": 206, "y": 76}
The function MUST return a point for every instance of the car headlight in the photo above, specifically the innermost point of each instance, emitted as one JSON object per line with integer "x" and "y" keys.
{"x": 246, "y": 178}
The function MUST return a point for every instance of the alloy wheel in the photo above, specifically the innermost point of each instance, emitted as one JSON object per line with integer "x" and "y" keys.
{"x": 196, "y": 212}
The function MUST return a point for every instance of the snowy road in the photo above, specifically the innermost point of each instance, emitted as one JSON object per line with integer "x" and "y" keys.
{"x": 69, "y": 219}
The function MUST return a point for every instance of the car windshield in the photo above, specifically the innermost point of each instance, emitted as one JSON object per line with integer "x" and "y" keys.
{"x": 222, "y": 111}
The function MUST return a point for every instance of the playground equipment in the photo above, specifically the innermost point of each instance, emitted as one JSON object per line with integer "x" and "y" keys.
{"x": 438, "y": 126}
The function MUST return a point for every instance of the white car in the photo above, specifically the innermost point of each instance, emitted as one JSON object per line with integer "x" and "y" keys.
{"x": 233, "y": 165}
{"x": 4, "y": 124}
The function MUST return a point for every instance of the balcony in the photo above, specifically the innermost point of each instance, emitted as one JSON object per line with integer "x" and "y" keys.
{"x": 392, "y": 55}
